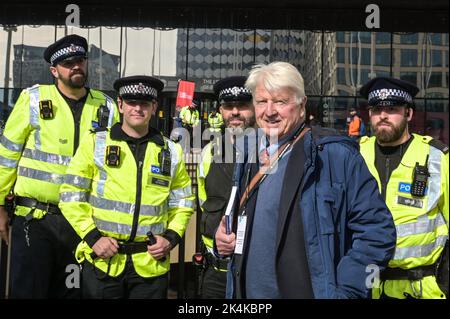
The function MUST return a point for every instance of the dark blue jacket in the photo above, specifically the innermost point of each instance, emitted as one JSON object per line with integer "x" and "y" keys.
{"x": 347, "y": 227}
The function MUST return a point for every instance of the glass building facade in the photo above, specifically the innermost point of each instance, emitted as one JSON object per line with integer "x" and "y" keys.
{"x": 334, "y": 64}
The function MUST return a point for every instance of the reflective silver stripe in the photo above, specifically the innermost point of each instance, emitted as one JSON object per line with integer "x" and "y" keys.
{"x": 46, "y": 157}
{"x": 423, "y": 225}
{"x": 78, "y": 181}
{"x": 129, "y": 208}
{"x": 74, "y": 197}
{"x": 110, "y": 106}
{"x": 201, "y": 171}
{"x": 8, "y": 162}
{"x": 9, "y": 145}
{"x": 173, "y": 157}
{"x": 180, "y": 193}
{"x": 111, "y": 205}
{"x": 419, "y": 251}
{"x": 201, "y": 201}
{"x": 434, "y": 183}
{"x": 99, "y": 159}
{"x": 149, "y": 210}
{"x": 181, "y": 203}
{"x": 41, "y": 175}
{"x": 34, "y": 115}
{"x": 124, "y": 229}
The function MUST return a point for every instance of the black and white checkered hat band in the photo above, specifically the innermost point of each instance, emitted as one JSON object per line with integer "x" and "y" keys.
{"x": 138, "y": 89}
{"x": 234, "y": 92}
{"x": 381, "y": 95}
{"x": 69, "y": 51}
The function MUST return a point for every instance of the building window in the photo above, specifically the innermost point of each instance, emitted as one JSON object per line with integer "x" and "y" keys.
{"x": 409, "y": 38}
{"x": 364, "y": 37}
{"x": 383, "y": 57}
{"x": 436, "y": 38}
{"x": 435, "y": 80}
{"x": 409, "y": 57}
{"x": 383, "y": 38}
{"x": 340, "y": 55}
{"x": 436, "y": 58}
{"x": 340, "y": 76}
{"x": 340, "y": 37}
{"x": 409, "y": 76}
{"x": 365, "y": 56}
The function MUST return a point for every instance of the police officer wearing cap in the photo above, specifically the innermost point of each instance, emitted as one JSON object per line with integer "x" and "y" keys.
{"x": 412, "y": 175}
{"x": 214, "y": 177}
{"x": 133, "y": 200}
{"x": 41, "y": 136}
{"x": 215, "y": 121}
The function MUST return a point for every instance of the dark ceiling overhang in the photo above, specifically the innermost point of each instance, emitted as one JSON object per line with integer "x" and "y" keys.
{"x": 344, "y": 15}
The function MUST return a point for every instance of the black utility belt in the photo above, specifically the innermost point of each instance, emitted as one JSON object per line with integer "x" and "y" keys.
{"x": 33, "y": 203}
{"x": 409, "y": 274}
{"x": 132, "y": 248}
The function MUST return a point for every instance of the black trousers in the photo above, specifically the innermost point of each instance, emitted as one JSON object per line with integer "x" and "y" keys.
{"x": 213, "y": 283}
{"x": 43, "y": 264}
{"x": 128, "y": 285}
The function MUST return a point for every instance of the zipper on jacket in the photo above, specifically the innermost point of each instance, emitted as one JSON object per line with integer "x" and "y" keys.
{"x": 386, "y": 177}
{"x": 137, "y": 206}
{"x": 76, "y": 139}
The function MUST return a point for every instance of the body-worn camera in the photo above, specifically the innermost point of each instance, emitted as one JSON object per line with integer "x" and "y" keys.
{"x": 46, "y": 109}
{"x": 103, "y": 116}
{"x": 113, "y": 155}
{"x": 164, "y": 161}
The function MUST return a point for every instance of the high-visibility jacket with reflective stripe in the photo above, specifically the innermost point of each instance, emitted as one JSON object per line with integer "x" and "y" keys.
{"x": 35, "y": 152}
{"x": 216, "y": 122}
{"x": 104, "y": 197}
{"x": 421, "y": 222}
{"x": 202, "y": 171}
{"x": 189, "y": 116}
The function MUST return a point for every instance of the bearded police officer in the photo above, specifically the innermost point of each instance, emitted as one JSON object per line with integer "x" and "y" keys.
{"x": 132, "y": 200}
{"x": 412, "y": 175}
{"x": 215, "y": 175}
{"x": 40, "y": 137}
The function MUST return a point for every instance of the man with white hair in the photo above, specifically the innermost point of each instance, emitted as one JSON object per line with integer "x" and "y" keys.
{"x": 310, "y": 221}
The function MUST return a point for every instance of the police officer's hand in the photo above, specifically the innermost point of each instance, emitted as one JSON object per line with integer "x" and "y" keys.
{"x": 105, "y": 247}
{"x": 160, "y": 249}
{"x": 4, "y": 224}
{"x": 224, "y": 243}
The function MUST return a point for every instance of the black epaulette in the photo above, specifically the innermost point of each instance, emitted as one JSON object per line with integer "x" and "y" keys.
{"x": 99, "y": 129}
{"x": 439, "y": 145}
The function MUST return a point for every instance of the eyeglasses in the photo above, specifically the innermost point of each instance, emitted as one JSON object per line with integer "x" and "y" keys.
{"x": 70, "y": 63}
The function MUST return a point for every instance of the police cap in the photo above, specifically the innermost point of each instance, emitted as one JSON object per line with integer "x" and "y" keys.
{"x": 232, "y": 89}
{"x": 66, "y": 48}
{"x": 383, "y": 91}
{"x": 138, "y": 87}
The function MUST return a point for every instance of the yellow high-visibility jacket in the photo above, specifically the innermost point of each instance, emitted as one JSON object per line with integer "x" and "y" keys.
{"x": 35, "y": 152}
{"x": 216, "y": 122}
{"x": 421, "y": 222}
{"x": 127, "y": 199}
{"x": 189, "y": 117}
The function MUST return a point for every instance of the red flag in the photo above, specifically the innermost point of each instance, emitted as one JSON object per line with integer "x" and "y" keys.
{"x": 185, "y": 93}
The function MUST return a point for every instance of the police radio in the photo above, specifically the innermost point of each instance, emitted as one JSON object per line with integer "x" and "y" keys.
{"x": 103, "y": 116}
{"x": 113, "y": 155}
{"x": 420, "y": 179}
{"x": 164, "y": 161}
{"x": 46, "y": 109}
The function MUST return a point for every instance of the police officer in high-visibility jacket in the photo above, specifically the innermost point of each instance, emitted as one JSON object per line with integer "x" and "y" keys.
{"x": 412, "y": 174}
{"x": 215, "y": 121}
{"x": 132, "y": 200}
{"x": 214, "y": 177}
{"x": 41, "y": 136}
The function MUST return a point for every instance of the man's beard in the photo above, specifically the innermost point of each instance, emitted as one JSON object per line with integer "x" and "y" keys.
{"x": 390, "y": 135}
{"x": 75, "y": 82}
